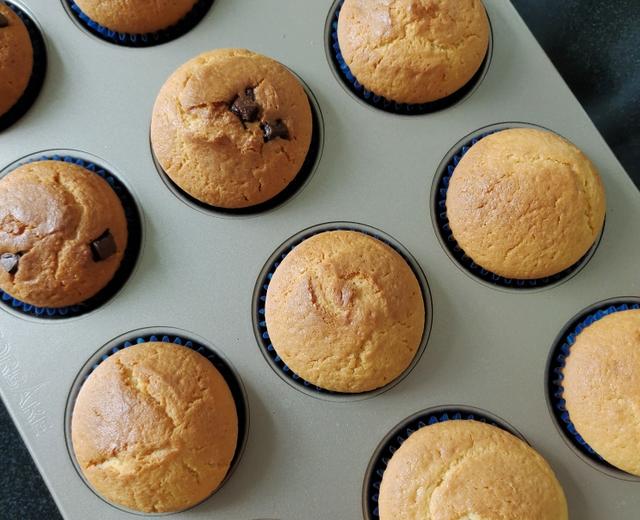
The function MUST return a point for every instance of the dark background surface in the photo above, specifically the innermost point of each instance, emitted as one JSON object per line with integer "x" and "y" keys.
{"x": 596, "y": 47}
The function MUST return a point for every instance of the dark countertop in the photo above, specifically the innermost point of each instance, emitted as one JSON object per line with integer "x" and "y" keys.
{"x": 596, "y": 47}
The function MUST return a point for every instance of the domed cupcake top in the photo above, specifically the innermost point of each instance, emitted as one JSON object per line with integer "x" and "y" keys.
{"x": 16, "y": 58}
{"x": 345, "y": 312}
{"x": 136, "y": 16}
{"x": 155, "y": 428}
{"x": 601, "y": 381}
{"x": 467, "y": 469}
{"x": 525, "y": 203}
{"x": 232, "y": 128}
{"x": 63, "y": 233}
{"x": 413, "y": 51}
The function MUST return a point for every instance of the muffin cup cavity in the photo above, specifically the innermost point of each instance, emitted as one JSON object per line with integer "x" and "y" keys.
{"x": 402, "y": 431}
{"x": 165, "y": 335}
{"x": 560, "y": 350}
{"x": 440, "y": 221}
{"x": 260, "y": 325}
{"x": 351, "y": 84}
{"x": 38, "y": 73}
{"x": 303, "y": 176}
{"x": 131, "y": 254}
{"x": 183, "y": 26}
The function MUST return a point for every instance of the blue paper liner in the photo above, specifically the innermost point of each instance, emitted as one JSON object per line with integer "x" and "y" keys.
{"x": 456, "y": 252}
{"x": 561, "y": 351}
{"x": 190, "y": 20}
{"x": 382, "y": 103}
{"x": 38, "y": 72}
{"x": 400, "y": 434}
{"x": 263, "y": 339}
{"x": 221, "y": 365}
{"x": 134, "y": 226}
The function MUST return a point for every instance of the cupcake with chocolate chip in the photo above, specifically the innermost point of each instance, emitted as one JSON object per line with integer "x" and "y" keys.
{"x": 345, "y": 312}
{"x": 136, "y": 16}
{"x": 231, "y": 128}
{"x": 16, "y": 58}
{"x": 63, "y": 234}
{"x": 155, "y": 428}
{"x": 413, "y": 51}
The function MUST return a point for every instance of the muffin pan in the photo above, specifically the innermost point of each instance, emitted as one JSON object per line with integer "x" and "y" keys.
{"x": 306, "y": 457}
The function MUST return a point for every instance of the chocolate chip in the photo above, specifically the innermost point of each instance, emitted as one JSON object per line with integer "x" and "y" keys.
{"x": 9, "y": 262}
{"x": 273, "y": 130}
{"x": 103, "y": 247}
{"x": 3, "y": 21}
{"x": 245, "y": 106}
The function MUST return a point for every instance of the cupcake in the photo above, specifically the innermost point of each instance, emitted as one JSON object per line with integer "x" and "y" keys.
{"x": 136, "y": 16}
{"x": 469, "y": 470}
{"x": 231, "y": 128}
{"x": 525, "y": 204}
{"x": 413, "y": 51}
{"x": 16, "y": 58}
{"x": 63, "y": 233}
{"x": 154, "y": 428}
{"x": 345, "y": 312}
{"x": 601, "y": 381}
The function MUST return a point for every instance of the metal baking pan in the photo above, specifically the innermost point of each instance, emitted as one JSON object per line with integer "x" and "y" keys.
{"x": 306, "y": 456}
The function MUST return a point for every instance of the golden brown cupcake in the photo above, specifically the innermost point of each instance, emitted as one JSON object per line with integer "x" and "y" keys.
{"x": 231, "y": 128}
{"x": 16, "y": 58}
{"x": 345, "y": 312}
{"x": 136, "y": 16}
{"x": 155, "y": 428}
{"x": 463, "y": 469}
{"x": 413, "y": 51}
{"x": 602, "y": 388}
{"x": 525, "y": 203}
{"x": 63, "y": 233}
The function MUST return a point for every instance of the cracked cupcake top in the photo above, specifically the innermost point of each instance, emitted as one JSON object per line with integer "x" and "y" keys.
{"x": 63, "y": 233}
{"x": 345, "y": 312}
{"x": 136, "y": 16}
{"x": 155, "y": 428}
{"x": 231, "y": 128}
{"x": 16, "y": 58}
{"x": 413, "y": 51}
{"x": 601, "y": 381}
{"x": 468, "y": 470}
{"x": 525, "y": 203}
